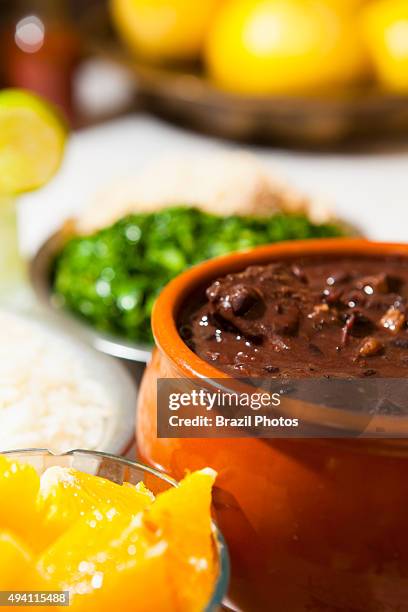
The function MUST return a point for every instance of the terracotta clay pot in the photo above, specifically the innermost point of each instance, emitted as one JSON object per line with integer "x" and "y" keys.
{"x": 311, "y": 524}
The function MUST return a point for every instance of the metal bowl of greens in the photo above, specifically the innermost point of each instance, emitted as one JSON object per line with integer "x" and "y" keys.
{"x": 104, "y": 285}
{"x": 41, "y": 272}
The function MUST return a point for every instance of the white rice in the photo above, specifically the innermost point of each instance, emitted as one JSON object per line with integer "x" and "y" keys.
{"x": 48, "y": 397}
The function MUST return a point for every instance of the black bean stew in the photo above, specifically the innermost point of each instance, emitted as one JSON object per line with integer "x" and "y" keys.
{"x": 333, "y": 317}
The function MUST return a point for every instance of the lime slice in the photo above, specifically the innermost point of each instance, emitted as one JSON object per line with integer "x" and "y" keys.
{"x": 32, "y": 138}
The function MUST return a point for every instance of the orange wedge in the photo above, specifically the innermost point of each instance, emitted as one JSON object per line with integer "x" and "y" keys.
{"x": 15, "y": 562}
{"x": 17, "y": 570}
{"x": 161, "y": 559}
{"x": 182, "y": 516}
{"x": 113, "y": 547}
{"x": 66, "y": 495}
{"x": 107, "y": 559}
{"x": 19, "y": 486}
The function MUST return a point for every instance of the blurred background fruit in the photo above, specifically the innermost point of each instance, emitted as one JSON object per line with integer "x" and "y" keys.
{"x": 284, "y": 46}
{"x": 226, "y": 67}
{"x": 32, "y": 139}
{"x": 163, "y": 30}
{"x": 385, "y": 24}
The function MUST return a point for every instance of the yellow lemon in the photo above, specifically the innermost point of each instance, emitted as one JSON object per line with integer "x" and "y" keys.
{"x": 163, "y": 30}
{"x": 385, "y": 25}
{"x": 284, "y": 46}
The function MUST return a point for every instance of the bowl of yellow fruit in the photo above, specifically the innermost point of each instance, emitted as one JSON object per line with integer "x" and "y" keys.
{"x": 107, "y": 534}
{"x": 297, "y": 71}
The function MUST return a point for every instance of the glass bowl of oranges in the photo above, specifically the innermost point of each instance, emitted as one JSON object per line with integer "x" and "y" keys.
{"x": 108, "y": 533}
